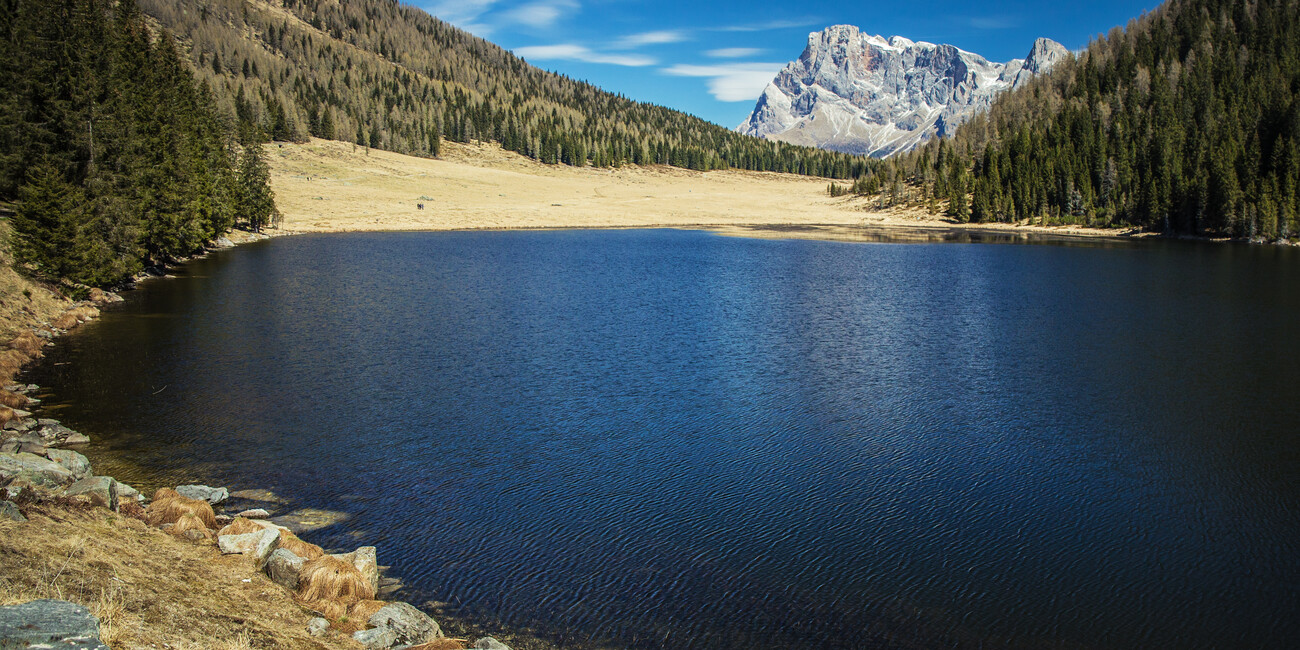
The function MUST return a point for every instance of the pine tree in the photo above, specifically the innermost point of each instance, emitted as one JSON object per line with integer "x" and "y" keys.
{"x": 255, "y": 201}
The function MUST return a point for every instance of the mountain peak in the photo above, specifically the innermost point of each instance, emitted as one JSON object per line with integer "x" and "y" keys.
{"x": 865, "y": 94}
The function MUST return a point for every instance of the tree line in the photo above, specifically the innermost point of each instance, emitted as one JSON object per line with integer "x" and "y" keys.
{"x": 390, "y": 76}
{"x": 1186, "y": 122}
{"x": 117, "y": 157}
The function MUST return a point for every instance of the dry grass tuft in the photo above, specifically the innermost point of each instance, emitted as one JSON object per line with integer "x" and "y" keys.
{"x": 27, "y": 343}
{"x": 131, "y": 508}
{"x": 363, "y": 610}
{"x": 442, "y": 644}
{"x": 11, "y": 361}
{"x": 240, "y": 526}
{"x": 332, "y": 579}
{"x": 190, "y": 521}
{"x": 169, "y": 510}
{"x": 328, "y": 609}
{"x": 65, "y": 321}
{"x": 12, "y": 399}
{"x": 304, "y": 550}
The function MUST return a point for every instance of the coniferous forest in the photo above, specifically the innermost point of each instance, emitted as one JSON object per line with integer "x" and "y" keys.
{"x": 1187, "y": 122}
{"x": 390, "y": 76}
{"x": 119, "y": 160}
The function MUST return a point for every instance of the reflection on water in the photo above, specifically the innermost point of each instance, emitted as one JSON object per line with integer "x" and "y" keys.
{"x": 662, "y": 438}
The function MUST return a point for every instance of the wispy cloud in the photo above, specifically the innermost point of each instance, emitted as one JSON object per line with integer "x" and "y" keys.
{"x": 464, "y": 14}
{"x": 661, "y": 37}
{"x": 541, "y": 14}
{"x": 770, "y": 25}
{"x": 733, "y": 52}
{"x": 994, "y": 22}
{"x": 573, "y": 52}
{"x": 731, "y": 82}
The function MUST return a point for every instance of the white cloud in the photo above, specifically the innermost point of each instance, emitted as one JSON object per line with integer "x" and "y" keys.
{"x": 572, "y": 52}
{"x": 649, "y": 38}
{"x": 731, "y": 82}
{"x": 770, "y": 25}
{"x": 540, "y": 14}
{"x": 457, "y": 12}
{"x": 733, "y": 52}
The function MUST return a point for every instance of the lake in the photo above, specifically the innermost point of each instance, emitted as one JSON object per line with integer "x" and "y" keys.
{"x": 660, "y": 438}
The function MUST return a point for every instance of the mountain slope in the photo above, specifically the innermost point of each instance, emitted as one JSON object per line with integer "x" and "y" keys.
{"x": 863, "y": 94}
{"x": 1186, "y": 122}
{"x": 390, "y": 76}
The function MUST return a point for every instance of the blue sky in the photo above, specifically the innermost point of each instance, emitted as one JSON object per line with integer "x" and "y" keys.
{"x": 712, "y": 59}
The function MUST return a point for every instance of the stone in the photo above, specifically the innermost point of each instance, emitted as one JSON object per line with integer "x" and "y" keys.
{"x": 265, "y": 545}
{"x": 74, "y": 462}
{"x": 28, "y": 443}
{"x": 232, "y": 544}
{"x": 284, "y": 567}
{"x": 408, "y": 626}
{"x": 195, "y": 535}
{"x": 365, "y": 560}
{"x": 35, "y": 469}
{"x": 204, "y": 493}
{"x": 75, "y": 438}
{"x": 126, "y": 492}
{"x": 11, "y": 512}
{"x": 54, "y": 432}
{"x": 489, "y": 643}
{"x": 255, "y": 513}
{"x": 49, "y": 624}
{"x": 100, "y": 489}
{"x": 318, "y": 626}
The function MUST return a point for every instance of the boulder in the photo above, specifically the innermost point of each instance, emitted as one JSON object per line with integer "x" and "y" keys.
{"x": 75, "y": 438}
{"x": 11, "y": 512}
{"x": 398, "y": 624}
{"x": 204, "y": 493}
{"x": 489, "y": 643}
{"x": 318, "y": 626}
{"x": 365, "y": 560}
{"x": 27, "y": 443}
{"x": 126, "y": 492}
{"x": 33, "y": 468}
{"x": 53, "y": 433}
{"x": 49, "y": 624}
{"x": 255, "y": 513}
{"x": 265, "y": 546}
{"x": 283, "y": 567}
{"x": 100, "y": 489}
{"x": 232, "y": 544}
{"x": 73, "y": 462}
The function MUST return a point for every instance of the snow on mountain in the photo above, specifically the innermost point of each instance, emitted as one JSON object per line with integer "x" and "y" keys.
{"x": 864, "y": 94}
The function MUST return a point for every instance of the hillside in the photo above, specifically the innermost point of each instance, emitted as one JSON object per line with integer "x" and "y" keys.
{"x": 1186, "y": 122}
{"x": 390, "y": 76}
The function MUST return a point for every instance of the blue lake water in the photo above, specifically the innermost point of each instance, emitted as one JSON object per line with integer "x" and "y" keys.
{"x": 664, "y": 438}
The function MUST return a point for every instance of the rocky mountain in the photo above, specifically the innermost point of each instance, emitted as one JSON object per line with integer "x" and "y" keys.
{"x": 862, "y": 94}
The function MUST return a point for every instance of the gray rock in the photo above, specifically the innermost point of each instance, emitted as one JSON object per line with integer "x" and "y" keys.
{"x": 47, "y": 422}
{"x": 210, "y": 494}
{"x": 37, "y": 470}
{"x": 255, "y": 513}
{"x": 489, "y": 643}
{"x": 75, "y": 438}
{"x": 318, "y": 626}
{"x": 283, "y": 567}
{"x": 49, "y": 624}
{"x": 232, "y": 544}
{"x": 265, "y": 545}
{"x": 379, "y": 638}
{"x": 100, "y": 489}
{"x": 195, "y": 535}
{"x": 10, "y": 511}
{"x": 56, "y": 432}
{"x": 365, "y": 560}
{"x": 74, "y": 462}
{"x": 127, "y": 492}
{"x": 27, "y": 443}
{"x": 409, "y": 626}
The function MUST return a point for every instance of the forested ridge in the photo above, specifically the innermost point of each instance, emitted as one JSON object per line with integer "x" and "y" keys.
{"x": 1185, "y": 122}
{"x": 390, "y": 76}
{"x": 117, "y": 158}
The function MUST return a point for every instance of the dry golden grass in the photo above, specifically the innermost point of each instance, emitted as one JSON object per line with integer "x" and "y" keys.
{"x": 170, "y": 509}
{"x": 190, "y": 521}
{"x": 240, "y": 526}
{"x": 165, "y": 493}
{"x": 149, "y": 589}
{"x": 328, "y": 609}
{"x": 23, "y": 303}
{"x": 28, "y": 343}
{"x": 11, "y": 361}
{"x": 12, "y": 400}
{"x": 364, "y": 609}
{"x": 305, "y": 550}
{"x": 328, "y": 578}
{"x": 65, "y": 321}
{"x": 442, "y": 644}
